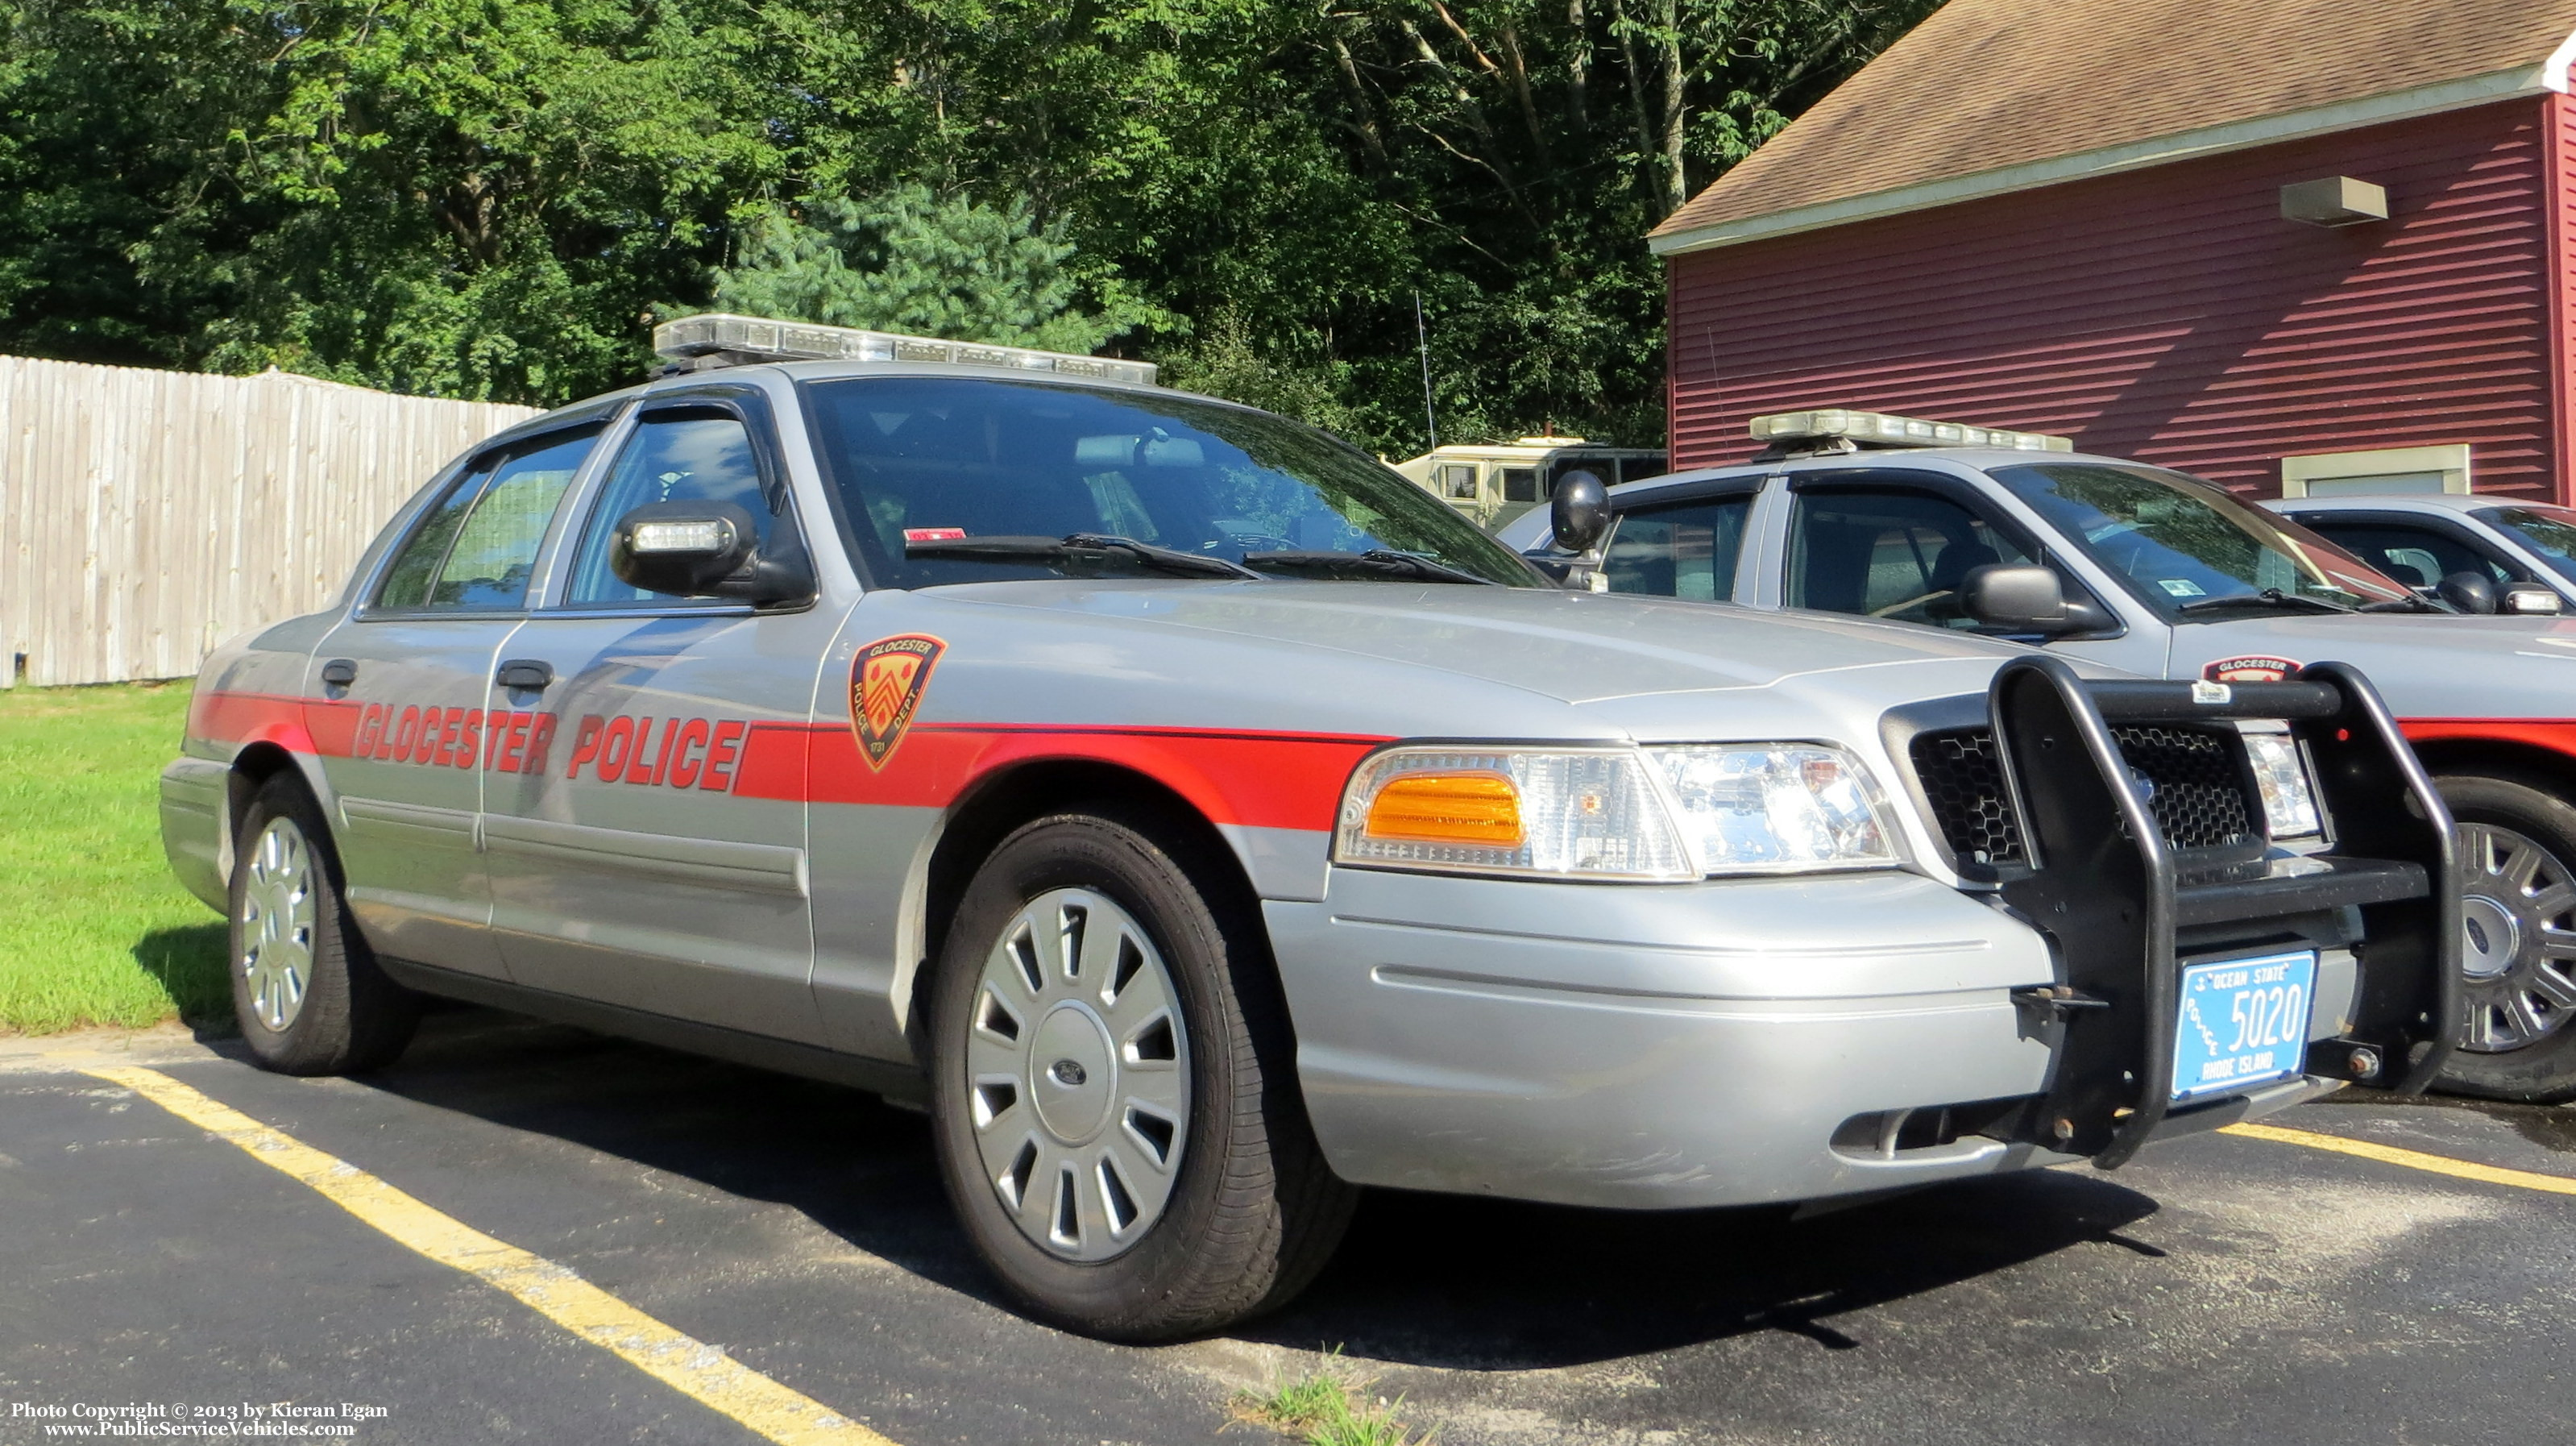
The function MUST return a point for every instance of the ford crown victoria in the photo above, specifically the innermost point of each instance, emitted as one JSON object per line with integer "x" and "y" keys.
{"x": 1200, "y": 822}
{"x": 2150, "y": 570}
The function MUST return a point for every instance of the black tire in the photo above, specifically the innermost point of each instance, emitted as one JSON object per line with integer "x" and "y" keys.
{"x": 350, "y": 1016}
{"x": 2543, "y": 1071}
{"x": 1253, "y": 1211}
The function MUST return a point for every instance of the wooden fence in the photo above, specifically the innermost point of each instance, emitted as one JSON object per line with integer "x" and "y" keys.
{"x": 145, "y": 516}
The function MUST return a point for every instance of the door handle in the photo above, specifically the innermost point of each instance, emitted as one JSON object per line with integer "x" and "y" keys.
{"x": 340, "y": 672}
{"x": 531, "y": 674}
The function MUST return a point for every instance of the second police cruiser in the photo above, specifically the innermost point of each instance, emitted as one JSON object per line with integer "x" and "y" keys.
{"x": 2013, "y": 534}
{"x": 1202, "y": 822}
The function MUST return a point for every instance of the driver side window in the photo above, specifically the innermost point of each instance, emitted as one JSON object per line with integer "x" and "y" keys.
{"x": 679, "y": 454}
{"x": 2416, "y": 556}
{"x": 1893, "y": 553}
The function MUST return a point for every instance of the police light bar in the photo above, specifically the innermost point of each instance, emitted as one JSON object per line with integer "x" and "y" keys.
{"x": 1886, "y": 429}
{"x": 722, "y": 334}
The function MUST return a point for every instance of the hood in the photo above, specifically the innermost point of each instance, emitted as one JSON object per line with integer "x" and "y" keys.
{"x": 1580, "y": 648}
{"x": 2426, "y": 666}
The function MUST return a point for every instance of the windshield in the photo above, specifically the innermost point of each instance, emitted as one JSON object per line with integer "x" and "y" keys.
{"x": 2176, "y": 540}
{"x": 2549, "y": 531}
{"x": 945, "y": 460}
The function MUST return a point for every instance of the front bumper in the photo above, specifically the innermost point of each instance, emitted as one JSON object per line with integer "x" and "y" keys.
{"x": 1780, "y": 1039}
{"x": 1725, "y": 1043}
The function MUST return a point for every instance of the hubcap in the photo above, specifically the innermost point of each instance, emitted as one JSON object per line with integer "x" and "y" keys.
{"x": 2518, "y": 945}
{"x": 276, "y": 922}
{"x": 1078, "y": 1075}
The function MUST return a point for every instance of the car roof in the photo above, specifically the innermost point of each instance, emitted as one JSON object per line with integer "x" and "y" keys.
{"x": 1958, "y": 459}
{"x": 2392, "y": 502}
{"x": 606, "y": 403}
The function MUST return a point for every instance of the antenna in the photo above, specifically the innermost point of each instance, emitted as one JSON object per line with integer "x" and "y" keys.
{"x": 1422, "y": 338}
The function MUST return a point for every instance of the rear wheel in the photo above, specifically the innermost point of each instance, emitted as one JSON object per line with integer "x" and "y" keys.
{"x": 2517, "y": 870}
{"x": 307, "y": 992}
{"x": 1113, "y": 1088}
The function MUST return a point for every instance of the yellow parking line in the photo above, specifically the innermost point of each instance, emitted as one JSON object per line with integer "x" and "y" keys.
{"x": 2411, "y": 1159}
{"x": 701, "y": 1372}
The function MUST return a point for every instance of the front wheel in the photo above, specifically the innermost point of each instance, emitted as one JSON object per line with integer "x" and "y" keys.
{"x": 1113, "y": 1090}
{"x": 307, "y": 992}
{"x": 2517, "y": 869}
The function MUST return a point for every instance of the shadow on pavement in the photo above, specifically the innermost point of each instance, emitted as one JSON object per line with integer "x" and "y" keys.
{"x": 1421, "y": 1280}
{"x": 1428, "y": 1280}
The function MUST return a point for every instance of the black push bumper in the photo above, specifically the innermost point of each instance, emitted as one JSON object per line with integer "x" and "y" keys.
{"x": 2122, "y": 912}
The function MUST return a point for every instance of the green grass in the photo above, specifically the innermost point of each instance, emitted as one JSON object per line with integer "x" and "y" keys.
{"x": 1326, "y": 1408}
{"x": 93, "y": 929}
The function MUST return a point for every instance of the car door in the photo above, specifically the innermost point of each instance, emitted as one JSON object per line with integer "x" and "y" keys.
{"x": 1898, "y": 545}
{"x": 402, "y": 681}
{"x": 631, "y": 864}
{"x": 2418, "y": 551}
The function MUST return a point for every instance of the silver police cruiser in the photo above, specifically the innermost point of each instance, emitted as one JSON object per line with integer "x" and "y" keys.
{"x": 2481, "y": 554}
{"x": 1201, "y": 821}
{"x": 2012, "y": 534}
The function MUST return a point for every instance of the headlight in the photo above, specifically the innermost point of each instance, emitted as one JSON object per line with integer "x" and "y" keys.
{"x": 1663, "y": 813}
{"x": 1775, "y": 806}
{"x": 2281, "y": 776}
{"x": 1589, "y": 814}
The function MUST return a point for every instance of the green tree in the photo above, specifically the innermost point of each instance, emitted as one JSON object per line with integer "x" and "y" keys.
{"x": 908, "y": 261}
{"x": 489, "y": 197}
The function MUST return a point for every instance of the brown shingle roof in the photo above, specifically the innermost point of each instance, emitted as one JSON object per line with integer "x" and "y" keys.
{"x": 1988, "y": 84}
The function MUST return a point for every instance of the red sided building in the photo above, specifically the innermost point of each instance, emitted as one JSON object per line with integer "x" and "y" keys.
{"x": 2277, "y": 243}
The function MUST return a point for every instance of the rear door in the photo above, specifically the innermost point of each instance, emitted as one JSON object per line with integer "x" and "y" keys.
{"x": 648, "y": 845}
{"x": 402, "y": 679}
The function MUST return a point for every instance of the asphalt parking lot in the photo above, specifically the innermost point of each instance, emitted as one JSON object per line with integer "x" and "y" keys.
{"x": 2222, "y": 1289}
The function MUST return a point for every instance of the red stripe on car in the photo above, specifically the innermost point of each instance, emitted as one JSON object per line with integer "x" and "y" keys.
{"x": 1260, "y": 780}
{"x": 2556, "y": 735}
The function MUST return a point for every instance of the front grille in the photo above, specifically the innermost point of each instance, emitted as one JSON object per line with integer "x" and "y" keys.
{"x": 2200, "y": 799}
{"x": 1963, "y": 777}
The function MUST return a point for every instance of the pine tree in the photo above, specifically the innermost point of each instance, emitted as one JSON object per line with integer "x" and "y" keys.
{"x": 909, "y": 261}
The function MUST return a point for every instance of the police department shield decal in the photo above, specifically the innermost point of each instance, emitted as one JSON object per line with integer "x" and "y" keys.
{"x": 886, "y": 681}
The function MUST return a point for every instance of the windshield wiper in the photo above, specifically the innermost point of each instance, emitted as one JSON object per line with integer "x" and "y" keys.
{"x": 2411, "y": 603}
{"x": 2270, "y": 597}
{"x": 1377, "y": 563}
{"x": 1090, "y": 547}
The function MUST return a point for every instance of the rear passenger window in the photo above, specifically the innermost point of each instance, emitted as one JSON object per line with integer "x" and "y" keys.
{"x": 475, "y": 548}
{"x": 1685, "y": 549}
{"x": 682, "y": 454}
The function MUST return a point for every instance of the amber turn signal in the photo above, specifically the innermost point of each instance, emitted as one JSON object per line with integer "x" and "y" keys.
{"x": 1460, "y": 808}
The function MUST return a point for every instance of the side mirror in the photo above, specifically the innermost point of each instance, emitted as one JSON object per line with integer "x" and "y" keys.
{"x": 2016, "y": 599}
{"x": 682, "y": 549}
{"x": 1579, "y": 513}
{"x": 2467, "y": 592}
{"x": 2529, "y": 598}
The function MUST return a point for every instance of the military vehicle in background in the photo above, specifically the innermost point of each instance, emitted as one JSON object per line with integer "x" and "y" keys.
{"x": 1496, "y": 482}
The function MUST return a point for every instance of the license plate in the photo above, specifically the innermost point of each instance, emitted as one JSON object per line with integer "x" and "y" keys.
{"x": 2244, "y": 1022}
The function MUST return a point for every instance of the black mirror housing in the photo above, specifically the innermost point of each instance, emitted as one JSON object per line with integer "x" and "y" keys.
{"x": 2467, "y": 592}
{"x": 1579, "y": 514}
{"x": 2017, "y": 599}
{"x": 683, "y": 549}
